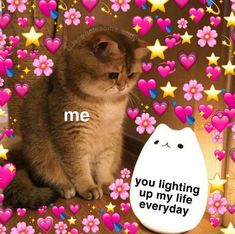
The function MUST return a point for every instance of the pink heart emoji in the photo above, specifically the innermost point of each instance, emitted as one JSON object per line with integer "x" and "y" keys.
{"x": 229, "y": 99}
{"x": 160, "y": 107}
{"x": 74, "y": 208}
{"x": 22, "y": 22}
{"x": 209, "y": 127}
{"x": 213, "y": 72}
{"x": 46, "y": 6}
{"x": 21, "y": 212}
{"x": 4, "y": 53}
{"x": 52, "y": 44}
{"x": 163, "y": 23}
{"x": 21, "y": 89}
{"x": 5, "y": 95}
{"x": 14, "y": 40}
{"x": 187, "y": 60}
{"x": 215, "y": 21}
{"x": 145, "y": 24}
{"x": 42, "y": 210}
{"x": 33, "y": 55}
{"x": 90, "y": 20}
{"x": 132, "y": 113}
{"x": 9, "y": 48}
{"x": 215, "y": 222}
{"x": 39, "y": 22}
{"x": 232, "y": 154}
{"x": 205, "y": 110}
{"x": 182, "y": 112}
{"x": 230, "y": 112}
{"x": 1, "y": 198}
{"x": 131, "y": 227}
{"x": 219, "y": 154}
{"x": 146, "y": 67}
{"x": 89, "y": 4}
{"x": 145, "y": 86}
{"x": 231, "y": 209}
{"x": 45, "y": 224}
{"x": 5, "y": 19}
{"x": 170, "y": 42}
{"x": 220, "y": 122}
{"x": 22, "y": 54}
{"x": 140, "y": 3}
{"x": 163, "y": 71}
{"x": 5, "y": 215}
{"x": 74, "y": 231}
{"x": 110, "y": 219}
{"x": 196, "y": 14}
{"x": 125, "y": 207}
{"x": 9, "y": 132}
{"x": 58, "y": 211}
{"x": 7, "y": 174}
{"x": 4, "y": 65}
{"x": 181, "y": 3}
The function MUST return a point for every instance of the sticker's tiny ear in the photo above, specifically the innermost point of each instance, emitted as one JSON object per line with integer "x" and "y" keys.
{"x": 104, "y": 46}
{"x": 141, "y": 51}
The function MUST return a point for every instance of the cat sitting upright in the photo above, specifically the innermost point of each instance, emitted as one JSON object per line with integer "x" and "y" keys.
{"x": 95, "y": 75}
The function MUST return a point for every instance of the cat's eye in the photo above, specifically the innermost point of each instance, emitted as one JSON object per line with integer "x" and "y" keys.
{"x": 131, "y": 75}
{"x": 113, "y": 75}
{"x": 180, "y": 146}
{"x": 156, "y": 142}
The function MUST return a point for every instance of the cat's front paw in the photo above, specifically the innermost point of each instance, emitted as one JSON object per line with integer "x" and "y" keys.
{"x": 67, "y": 191}
{"x": 92, "y": 193}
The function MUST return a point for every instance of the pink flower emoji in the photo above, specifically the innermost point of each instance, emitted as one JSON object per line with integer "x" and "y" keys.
{"x": 90, "y": 224}
{"x": 2, "y": 229}
{"x": 3, "y": 38}
{"x": 125, "y": 173}
{"x": 61, "y": 228}
{"x": 217, "y": 203}
{"x": 43, "y": 66}
{"x": 22, "y": 228}
{"x": 145, "y": 123}
{"x": 123, "y": 4}
{"x": 207, "y": 36}
{"x": 17, "y": 5}
{"x": 193, "y": 90}
{"x": 217, "y": 137}
{"x": 233, "y": 5}
{"x": 72, "y": 17}
{"x": 182, "y": 23}
{"x": 119, "y": 188}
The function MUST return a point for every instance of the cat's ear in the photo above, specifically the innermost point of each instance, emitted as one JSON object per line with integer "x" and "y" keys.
{"x": 141, "y": 51}
{"x": 104, "y": 46}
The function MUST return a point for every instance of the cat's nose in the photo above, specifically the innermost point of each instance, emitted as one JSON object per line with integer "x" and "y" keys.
{"x": 121, "y": 83}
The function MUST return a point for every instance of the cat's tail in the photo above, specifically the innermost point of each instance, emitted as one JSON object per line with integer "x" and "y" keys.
{"x": 21, "y": 192}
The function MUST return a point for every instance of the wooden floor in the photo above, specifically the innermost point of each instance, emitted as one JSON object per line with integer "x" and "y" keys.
{"x": 94, "y": 207}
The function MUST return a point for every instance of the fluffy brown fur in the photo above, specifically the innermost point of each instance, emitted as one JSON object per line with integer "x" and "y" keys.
{"x": 66, "y": 158}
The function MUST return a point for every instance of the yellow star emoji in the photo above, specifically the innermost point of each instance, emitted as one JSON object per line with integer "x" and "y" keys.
{"x": 230, "y": 19}
{"x": 217, "y": 184}
{"x": 32, "y": 37}
{"x": 72, "y": 221}
{"x": 158, "y": 5}
{"x": 229, "y": 68}
{"x": 110, "y": 207}
{"x": 229, "y": 230}
{"x": 212, "y": 93}
{"x": 186, "y": 38}
{"x": 168, "y": 90}
{"x": 213, "y": 60}
{"x": 157, "y": 50}
{"x": 2, "y": 113}
{"x": 3, "y": 152}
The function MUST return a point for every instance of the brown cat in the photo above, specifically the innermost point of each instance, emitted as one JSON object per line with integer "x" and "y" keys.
{"x": 95, "y": 75}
